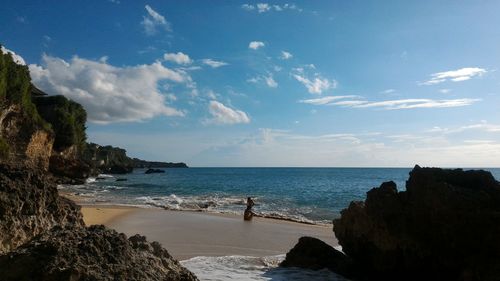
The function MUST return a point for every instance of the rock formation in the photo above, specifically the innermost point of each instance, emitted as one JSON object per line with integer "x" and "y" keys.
{"x": 93, "y": 253}
{"x": 312, "y": 253}
{"x": 30, "y": 205}
{"x": 445, "y": 226}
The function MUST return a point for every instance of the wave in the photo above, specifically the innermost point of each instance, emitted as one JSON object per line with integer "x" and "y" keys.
{"x": 99, "y": 191}
{"x": 252, "y": 268}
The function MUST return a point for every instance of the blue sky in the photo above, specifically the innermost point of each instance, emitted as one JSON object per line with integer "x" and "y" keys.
{"x": 303, "y": 83}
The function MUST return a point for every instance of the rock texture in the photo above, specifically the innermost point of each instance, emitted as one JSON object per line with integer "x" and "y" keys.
{"x": 312, "y": 253}
{"x": 445, "y": 226}
{"x": 29, "y": 205}
{"x": 93, "y": 253}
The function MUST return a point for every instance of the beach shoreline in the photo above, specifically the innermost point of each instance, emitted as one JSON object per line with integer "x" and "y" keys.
{"x": 188, "y": 234}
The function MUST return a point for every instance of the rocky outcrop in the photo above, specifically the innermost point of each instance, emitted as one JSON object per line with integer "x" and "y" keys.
{"x": 312, "y": 253}
{"x": 93, "y": 253}
{"x": 445, "y": 226}
{"x": 107, "y": 159}
{"x": 138, "y": 163}
{"x": 29, "y": 205}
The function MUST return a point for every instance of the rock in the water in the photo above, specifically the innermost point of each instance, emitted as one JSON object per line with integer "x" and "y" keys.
{"x": 29, "y": 205}
{"x": 154, "y": 171}
{"x": 445, "y": 226}
{"x": 312, "y": 253}
{"x": 93, "y": 253}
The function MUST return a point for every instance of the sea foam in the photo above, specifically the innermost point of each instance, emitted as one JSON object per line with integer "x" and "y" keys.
{"x": 252, "y": 268}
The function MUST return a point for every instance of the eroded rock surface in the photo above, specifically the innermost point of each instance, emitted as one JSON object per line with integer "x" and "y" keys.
{"x": 29, "y": 205}
{"x": 93, "y": 253}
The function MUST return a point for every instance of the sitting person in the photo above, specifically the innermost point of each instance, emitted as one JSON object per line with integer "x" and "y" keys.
{"x": 248, "y": 215}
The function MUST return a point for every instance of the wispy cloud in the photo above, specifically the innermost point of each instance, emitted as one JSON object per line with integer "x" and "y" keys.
{"x": 359, "y": 102}
{"x": 153, "y": 20}
{"x": 213, "y": 63}
{"x": 178, "y": 58}
{"x": 266, "y": 7}
{"x": 222, "y": 114}
{"x": 270, "y": 81}
{"x": 316, "y": 85}
{"x": 458, "y": 75}
{"x": 256, "y": 45}
{"x": 325, "y": 100}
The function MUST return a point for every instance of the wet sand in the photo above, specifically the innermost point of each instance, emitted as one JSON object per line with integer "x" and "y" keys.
{"x": 188, "y": 234}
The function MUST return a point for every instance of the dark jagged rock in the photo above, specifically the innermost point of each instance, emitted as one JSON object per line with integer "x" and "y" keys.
{"x": 29, "y": 205}
{"x": 138, "y": 163}
{"x": 445, "y": 226}
{"x": 312, "y": 253}
{"x": 154, "y": 171}
{"x": 93, "y": 253}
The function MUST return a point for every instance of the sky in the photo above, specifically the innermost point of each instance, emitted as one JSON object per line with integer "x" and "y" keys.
{"x": 265, "y": 84}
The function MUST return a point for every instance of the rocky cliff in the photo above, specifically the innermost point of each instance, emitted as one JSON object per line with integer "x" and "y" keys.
{"x": 445, "y": 226}
{"x": 24, "y": 135}
{"x": 30, "y": 205}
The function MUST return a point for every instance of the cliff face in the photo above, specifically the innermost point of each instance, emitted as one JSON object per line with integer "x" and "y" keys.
{"x": 445, "y": 226}
{"x": 25, "y": 136}
{"x": 30, "y": 205}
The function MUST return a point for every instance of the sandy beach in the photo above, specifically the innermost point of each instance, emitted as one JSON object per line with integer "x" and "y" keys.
{"x": 188, "y": 234}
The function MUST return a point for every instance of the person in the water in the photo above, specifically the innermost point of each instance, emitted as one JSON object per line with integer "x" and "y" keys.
{"x": 248, "y": 215}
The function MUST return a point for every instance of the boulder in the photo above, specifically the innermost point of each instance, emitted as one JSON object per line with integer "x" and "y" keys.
{"x": 312, "y": 253}
{"x": 29, "y": 205}
{"x": 445, "y": 226}
{"x": 93, "y": 253}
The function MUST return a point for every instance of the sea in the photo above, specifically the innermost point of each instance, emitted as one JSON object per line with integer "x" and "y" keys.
{"x": 306, "y": 195}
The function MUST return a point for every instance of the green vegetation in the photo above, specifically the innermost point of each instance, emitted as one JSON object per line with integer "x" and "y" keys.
{"x": 67, "y": 119}
{"x": 15, "y": 88}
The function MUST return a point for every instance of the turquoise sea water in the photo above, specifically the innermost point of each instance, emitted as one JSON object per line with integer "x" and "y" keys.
{"x": 303, "y": 194}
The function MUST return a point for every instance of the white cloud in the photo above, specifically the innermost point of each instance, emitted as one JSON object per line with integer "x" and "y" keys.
{"x": 388, "y": 91}
{"x": 266, "y": 7}
{"x": 317, "y": 85}
{"x": 248, "y": 7}
{"x": 255, "y": 45}
{"x": 109, "y": 93}
{"x": 15, "y": 57}
{"x": 270, "y": 81}
{"x": 213, "y": 63}
{"x": 458, "y": 75}
{"x": 222, "y": 114}
{"x": 178, "y": 58}
{"x": 285, "y": 55}
{"x": 152, "y": 20}
{"x": 418, "y": 103}
{"x": 324, "y": 100}
{"x": 445, "y": 91}
{"x": 359, "y": 102}
{"x": 263, "y": 7}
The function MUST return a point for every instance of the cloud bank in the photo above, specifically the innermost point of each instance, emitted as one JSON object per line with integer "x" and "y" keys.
{"x": 109, "y": 93}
